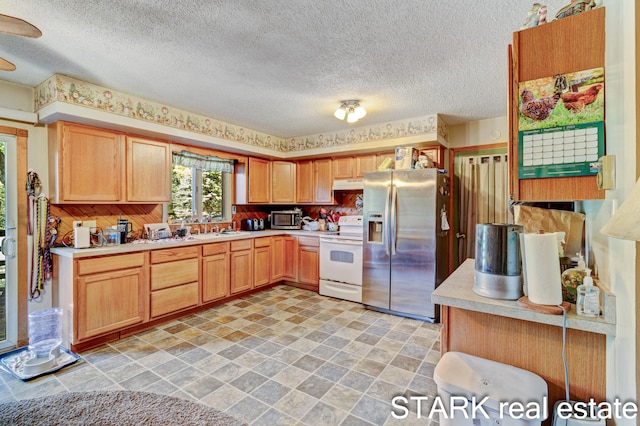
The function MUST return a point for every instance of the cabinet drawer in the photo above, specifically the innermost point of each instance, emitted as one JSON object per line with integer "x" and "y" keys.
{"x": 171, "y": 274}
{"x": 169, "y": 255}
{"x": 262, "y": 242}
{"x": 241, "y": 245}
{"x": 109, "y": 263}
{"x": 309, "y": 241}
{"x": 216, "y": 248}
{"x": 174, "y": 299}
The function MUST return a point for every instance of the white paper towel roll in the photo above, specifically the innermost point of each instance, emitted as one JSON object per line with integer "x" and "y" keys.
{"x": 541, "y": 268}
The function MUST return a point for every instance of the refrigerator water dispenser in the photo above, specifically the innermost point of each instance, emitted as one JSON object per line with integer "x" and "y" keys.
{"x": 375, "y": 228}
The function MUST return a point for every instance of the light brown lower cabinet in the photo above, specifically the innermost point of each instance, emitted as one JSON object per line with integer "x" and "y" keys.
{"x": 291, "y": 257}
{"x": 106, "y": 296}
{"x": 261, "y": 261}
{"x": 175, "y": 276}
{"x": 215, "y": 272}
{"x": 309, "y": 261}
{"x": 241, "y": 260}
{"x": 277, "y": 258}
{"x": 110, "y": 294}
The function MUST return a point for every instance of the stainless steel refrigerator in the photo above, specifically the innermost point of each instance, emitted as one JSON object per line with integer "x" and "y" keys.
{"x": 405, "y": 241}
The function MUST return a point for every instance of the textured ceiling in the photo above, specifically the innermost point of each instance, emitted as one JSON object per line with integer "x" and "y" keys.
{"x": 280, "y": 67}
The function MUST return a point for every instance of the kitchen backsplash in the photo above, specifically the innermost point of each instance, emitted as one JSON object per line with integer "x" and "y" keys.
{"x": 346, "y": 203}
{"x": 139, "y": 214}
{"x": 105, "y": 215}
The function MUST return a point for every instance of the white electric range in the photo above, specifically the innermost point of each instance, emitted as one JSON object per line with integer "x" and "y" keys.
{"x": 341, "y": 260}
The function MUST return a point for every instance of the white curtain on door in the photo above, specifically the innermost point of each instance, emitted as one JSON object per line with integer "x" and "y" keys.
{"x": 484, "y": 197}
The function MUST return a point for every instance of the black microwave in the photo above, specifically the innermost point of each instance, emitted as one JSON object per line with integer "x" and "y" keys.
{"x": 286, "y": 219}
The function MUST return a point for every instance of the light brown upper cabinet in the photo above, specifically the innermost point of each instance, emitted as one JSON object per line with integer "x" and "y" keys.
{"x": 322, "y": 181}
{"x": 90, "y": 165}
{"x": 365, "y": 164}
{"x": 86, "y": 165}
{"x": 283, "y": 182}
{"x": 342, "y": 167}
{"x": 564, "y": 53}
{"x": 354, "y": 167}
{"x": 259, "y": 180}
{"x": 304, "y": 181}
{"x": 148, "y": 171}
{"x": 314, "y": 180}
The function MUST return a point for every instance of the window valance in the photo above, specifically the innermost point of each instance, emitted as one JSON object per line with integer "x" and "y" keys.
{"x": 202, "y": 162}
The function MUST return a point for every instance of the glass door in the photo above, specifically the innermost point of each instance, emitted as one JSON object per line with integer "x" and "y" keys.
{"x": 8, "y": 255}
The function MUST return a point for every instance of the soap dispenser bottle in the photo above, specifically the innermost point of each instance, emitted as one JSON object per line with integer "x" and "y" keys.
{"x": 571, "y": 279}
{"x": 588, "y": 303}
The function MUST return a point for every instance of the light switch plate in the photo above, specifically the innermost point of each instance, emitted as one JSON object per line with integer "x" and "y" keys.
{"x": 89, "y": 223}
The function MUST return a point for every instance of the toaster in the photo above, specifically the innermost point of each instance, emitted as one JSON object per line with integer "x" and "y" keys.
{"x": 252, "y": 224}
{"x": 247, "y": 224}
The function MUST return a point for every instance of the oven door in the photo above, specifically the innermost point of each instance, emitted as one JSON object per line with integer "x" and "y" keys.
{"x": 341, "y": 260}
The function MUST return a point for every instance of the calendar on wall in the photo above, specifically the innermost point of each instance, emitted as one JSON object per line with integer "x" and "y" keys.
{"x": 561, "y": 125}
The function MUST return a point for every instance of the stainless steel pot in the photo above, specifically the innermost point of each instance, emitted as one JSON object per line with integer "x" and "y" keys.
{"x": 498, "y": 261}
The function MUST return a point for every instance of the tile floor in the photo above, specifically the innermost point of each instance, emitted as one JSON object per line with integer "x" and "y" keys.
{"x": 284, "y": 356}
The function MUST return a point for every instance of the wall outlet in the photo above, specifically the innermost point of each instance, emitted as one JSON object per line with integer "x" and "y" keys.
{"x": 89, "y": 223}
{"x": 77, "y": 223}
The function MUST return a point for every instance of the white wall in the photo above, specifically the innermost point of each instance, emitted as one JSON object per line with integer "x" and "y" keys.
{"x": 18, "y": 97}
{"x": 615, "y": 259}
{"x": 482, "y": 132}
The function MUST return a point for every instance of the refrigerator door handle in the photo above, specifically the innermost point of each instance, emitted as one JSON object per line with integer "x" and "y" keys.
{"x": 386, "y": 227}
{"x": 394, "y": 218}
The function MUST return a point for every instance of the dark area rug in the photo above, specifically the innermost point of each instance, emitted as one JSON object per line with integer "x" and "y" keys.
{"x": 111, "y": 408}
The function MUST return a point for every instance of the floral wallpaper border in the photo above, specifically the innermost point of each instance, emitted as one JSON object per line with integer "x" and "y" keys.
{"x": 61, "y": 88}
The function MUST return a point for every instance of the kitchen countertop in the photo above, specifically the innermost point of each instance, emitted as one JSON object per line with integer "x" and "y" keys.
{"x": 196, "y": 239}
{"x": 456, "y": 291}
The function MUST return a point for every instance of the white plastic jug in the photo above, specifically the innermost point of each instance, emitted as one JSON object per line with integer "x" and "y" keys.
{"x": 45, "y": 331}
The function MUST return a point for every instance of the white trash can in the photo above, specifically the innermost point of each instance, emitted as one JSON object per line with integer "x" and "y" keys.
{"x": 478, "y": 392}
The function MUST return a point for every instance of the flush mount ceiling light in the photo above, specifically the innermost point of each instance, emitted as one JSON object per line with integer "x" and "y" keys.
{"x": 351, "y": 110}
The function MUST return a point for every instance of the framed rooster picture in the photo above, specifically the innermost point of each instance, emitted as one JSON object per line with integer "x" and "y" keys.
{"x": 561, "y": 124}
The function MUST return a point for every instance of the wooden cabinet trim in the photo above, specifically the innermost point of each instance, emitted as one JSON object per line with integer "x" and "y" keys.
{"x": 174, "y": 254}
{"x": 109, "y": 263}
{"x": 215, "y": 248}
{"x": 261, "y": 242}
{"x": 239, "y": 245}
{"x": 170, "y": 274}
{"x": 174, "y": 299}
